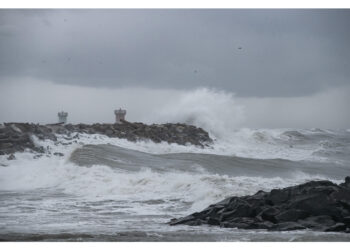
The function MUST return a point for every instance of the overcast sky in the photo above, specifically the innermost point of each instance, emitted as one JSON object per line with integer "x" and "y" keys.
{"x": 251, "y": 53}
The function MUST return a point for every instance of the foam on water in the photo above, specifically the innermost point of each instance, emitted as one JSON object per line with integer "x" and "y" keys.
{"x": 102, "y": 182}
{"x": 51, "y": 194}
{"x": 249, "y": 143}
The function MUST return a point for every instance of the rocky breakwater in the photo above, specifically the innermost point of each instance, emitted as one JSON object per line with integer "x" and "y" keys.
{"x": 316, "y": 205}
{"x": 16, "y": 137}
{"x": 170, "y": 132}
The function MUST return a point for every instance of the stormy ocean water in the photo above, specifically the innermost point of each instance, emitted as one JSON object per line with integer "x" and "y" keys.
{"x": 270, "y": 86}
{"x": 110, "y": 189}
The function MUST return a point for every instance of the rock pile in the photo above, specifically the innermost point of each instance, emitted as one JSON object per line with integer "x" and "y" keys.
{"x": 315, "y": 205}
{"x": 18, "y": 136}
{"x": 172, "y": 133}
{"x": 14, "y": 139}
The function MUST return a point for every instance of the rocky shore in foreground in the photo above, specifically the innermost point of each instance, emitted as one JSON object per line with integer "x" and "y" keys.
{"x": 315, "y": 205}
{"x": 16, "y": 137}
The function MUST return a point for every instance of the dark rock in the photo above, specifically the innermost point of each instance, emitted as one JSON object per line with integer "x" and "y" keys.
{"x": 212, "y": 221}
{"x": 11, "y": 157}
{"x": 346, "y": 184}
{"x": 316, "y": 205}
{"x": 346, "y": 221}
{"x": 324, "y": 220}
{"x": 342, "y": 194}
{"x": 235, "y": 225}
{"x": 197, "y": 222}
{"x": 247, "y": 223}
{"x": 264, "y": 225}
{"x": 16, "y": 137}
{"x": 184, "y": 220}
{"x": 3, "y": 136}
{"x": 269, "y": 214}
{"x": 58, "y": 154}
{"x": 287, "y": 226}
{"x": 339, "y": 227}
{"x": 6, "y": 144}
{"x": 241, "y": 210}
{"x": 109, "y": 132}
{"x": 317, "y": 223}
{"x": 278, "y": 196}
{"x": 291, "y": 215}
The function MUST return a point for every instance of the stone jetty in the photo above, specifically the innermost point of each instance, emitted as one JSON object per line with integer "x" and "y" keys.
{"x": 315, "y": 205}
{"x": 16, "y": 137}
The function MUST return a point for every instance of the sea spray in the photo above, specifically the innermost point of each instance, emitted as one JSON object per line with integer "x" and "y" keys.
{"x": 213, "y": 110}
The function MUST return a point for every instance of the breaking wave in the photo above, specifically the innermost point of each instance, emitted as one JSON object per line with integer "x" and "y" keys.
{"x": 108, "y": 185}
{"x": 167, "y": 180}
{"x": 215, "y": 111}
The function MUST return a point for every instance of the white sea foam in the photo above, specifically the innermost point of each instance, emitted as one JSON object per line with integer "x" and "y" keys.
{"x": 102, "y": 182}
{"x": 215, "y": 111}
{"x": 249, "y": 143}
{"x": 57, "y": 195}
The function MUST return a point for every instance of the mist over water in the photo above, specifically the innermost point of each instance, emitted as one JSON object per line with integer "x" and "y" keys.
{"x": 215, "y": 111}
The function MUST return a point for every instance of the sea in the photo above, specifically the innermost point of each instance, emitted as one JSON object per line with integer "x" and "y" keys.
{"x": 111, "y": 189}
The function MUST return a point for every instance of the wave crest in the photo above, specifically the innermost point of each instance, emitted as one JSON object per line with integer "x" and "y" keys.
{"x": 212, "y": 110}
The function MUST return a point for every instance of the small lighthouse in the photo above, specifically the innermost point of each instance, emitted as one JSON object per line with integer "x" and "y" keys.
{"x": 62, "y": 117}
{"x": 119, "y": 115}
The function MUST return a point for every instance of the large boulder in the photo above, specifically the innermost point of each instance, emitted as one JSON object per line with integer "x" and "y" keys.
{"x": 316, "y": 205}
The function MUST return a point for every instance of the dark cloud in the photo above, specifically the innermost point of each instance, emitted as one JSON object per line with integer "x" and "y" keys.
{"x": 249, "y": 52}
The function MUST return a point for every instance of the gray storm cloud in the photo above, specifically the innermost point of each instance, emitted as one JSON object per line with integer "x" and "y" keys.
{"x": 249, "y": 52}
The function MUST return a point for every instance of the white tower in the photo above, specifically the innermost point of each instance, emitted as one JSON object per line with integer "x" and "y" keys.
{"x": 119, "y": 115}
{"x": 62, "y": 117}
